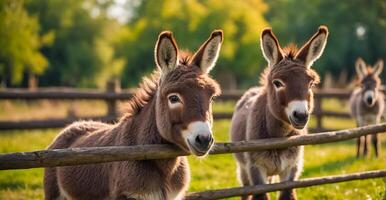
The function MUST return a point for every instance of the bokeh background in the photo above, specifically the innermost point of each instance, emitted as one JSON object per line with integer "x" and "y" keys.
{"x": 83, "y": 43}
{"x": 87, "y": 43}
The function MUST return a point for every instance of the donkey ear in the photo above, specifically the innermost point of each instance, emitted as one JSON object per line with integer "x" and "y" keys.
{"x": 313, "y": 49}
{"x": 208, "y": 53}
{"x": 360, "y": 67}
{"x": 378, "y": 67}
{"x": 166, "y": 52}
{"x": 270, "y": 47}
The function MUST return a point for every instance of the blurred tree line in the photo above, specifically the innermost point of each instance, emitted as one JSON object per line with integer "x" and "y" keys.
{"x": 357, "y": 29}
{"x": 79, "y": 43}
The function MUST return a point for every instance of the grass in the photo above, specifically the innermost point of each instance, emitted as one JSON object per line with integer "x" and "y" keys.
{"x": 217, "y": 171}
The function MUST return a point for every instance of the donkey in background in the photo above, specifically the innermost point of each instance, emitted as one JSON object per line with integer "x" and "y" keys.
{"x": 279, "y": 108}
{"x": 367, "y": 102}
{"x": 172, "y": 106}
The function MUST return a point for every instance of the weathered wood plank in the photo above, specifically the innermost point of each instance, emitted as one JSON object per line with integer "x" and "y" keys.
{"x": 258, "y": 189}
{"x": 90, "y": 155}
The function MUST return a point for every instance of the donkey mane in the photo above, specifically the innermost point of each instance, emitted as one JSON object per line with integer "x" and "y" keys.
{"x": 369, "y": 75}
{"x": 290, "y": 51}
{"x": 289, "y": 62}
{"x": 369, "y": 70}
{"x": 144, "y": 93}
{"x": 185, "y": 57}
{"x": 148, "y": 88}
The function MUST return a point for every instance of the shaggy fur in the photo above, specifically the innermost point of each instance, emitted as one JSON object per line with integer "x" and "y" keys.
{"x": 149, "y": 120}
{"x": 260, "y": 114}
{"x": 362, "y": 112}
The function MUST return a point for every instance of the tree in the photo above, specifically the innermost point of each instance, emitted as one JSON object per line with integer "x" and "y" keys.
{"x": 357, "y": 29}
{"x": 82, "y": 53}
{"x": 192, "y": 21}
{"x": 20, "y": 43}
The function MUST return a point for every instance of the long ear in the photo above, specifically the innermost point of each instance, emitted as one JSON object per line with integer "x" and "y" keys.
{"x": 378, "y": 67}
{"x": 208, "y": 53}
{"x": 313, "y": 49}
{"x": 270, "y": 47}
{"x": 166, "y": 52}
{"x": 360, "y": 67}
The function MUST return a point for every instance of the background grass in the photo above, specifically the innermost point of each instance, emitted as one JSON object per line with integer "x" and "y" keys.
{"x": 212, "y": 172}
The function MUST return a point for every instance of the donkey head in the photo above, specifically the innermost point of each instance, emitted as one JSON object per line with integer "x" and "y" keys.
{"x": 369, "y": 80}
{"x": 184, "y": 97}
{"x": 289, "y": 78}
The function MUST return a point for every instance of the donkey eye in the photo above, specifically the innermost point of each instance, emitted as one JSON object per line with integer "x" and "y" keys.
{"x": 277, "y": 83}
{"x": 174, "y": 99}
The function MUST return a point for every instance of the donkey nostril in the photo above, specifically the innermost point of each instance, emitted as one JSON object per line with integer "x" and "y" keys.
{"x": 198, "y": 140}
{"x": 369, "y": 100}
{"x": 300, "y": 116}
{"x": 203, "y": 141}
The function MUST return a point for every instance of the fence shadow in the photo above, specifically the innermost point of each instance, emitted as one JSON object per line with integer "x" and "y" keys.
{"x": 330, "y": 166}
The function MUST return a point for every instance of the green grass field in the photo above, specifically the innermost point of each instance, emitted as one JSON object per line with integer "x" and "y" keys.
{"x": 215, "y": 172}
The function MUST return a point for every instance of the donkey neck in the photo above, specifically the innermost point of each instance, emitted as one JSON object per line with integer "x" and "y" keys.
{"x": 141, "y": 128}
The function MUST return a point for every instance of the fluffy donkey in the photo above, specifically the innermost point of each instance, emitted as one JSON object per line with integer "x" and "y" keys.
{"x": 279, "y": 108}
{"x": 367, "y": 102}
{"x": 172, "y": 106}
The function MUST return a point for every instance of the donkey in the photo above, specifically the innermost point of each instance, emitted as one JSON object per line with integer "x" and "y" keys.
{"x": 279, "y": 108}
{"x": 367, "y": 102}
{"x": 173, "y": 106}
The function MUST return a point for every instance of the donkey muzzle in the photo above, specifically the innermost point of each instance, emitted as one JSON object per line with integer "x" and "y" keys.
{"x": 203, "y": 142}
{"x": 369, "y": 98}
{"x": 199, "y": 137}
{"x": 298, "y": 114}
{"x": 299, "y": 119}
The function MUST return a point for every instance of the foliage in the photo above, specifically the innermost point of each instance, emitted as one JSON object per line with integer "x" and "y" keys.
{"x": 19, "y": 42}
{"x": 192, "y": 21}
{"x": 81, "y": 54}
{"x": 82, "y": 43}
{"x": 357, "y": 29}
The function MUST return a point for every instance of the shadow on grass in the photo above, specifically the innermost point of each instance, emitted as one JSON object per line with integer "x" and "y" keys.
{"x": 353, "y": 142}
{"x": 330, "y": 166}
{"x": 14, "y": 185}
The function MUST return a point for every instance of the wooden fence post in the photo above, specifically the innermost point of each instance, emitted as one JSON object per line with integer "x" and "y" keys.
{"x": 318, "y": 113}
{"x": 32, "y": 82}
{"x": 113, "y": 86}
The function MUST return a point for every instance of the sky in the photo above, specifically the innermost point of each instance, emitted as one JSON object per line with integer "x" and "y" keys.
{"x": 122, "y": 10}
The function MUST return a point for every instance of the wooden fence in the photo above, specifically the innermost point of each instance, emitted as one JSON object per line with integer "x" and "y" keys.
{"x": 90, "y": 155}
{"x": 114, "y": 93}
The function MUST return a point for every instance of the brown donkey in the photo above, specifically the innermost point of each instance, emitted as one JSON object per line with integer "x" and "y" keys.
{"x": 172, "y": 106}
{"x": 279, "y": 108}
{"x": 367, "y": 102}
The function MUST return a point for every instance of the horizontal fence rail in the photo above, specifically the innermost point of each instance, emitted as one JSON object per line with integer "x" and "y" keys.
{"x": 69, "y": 94}
{"x": 113, "y": 94}
{"x": 49, "y": 123}
{"x": 64, "y": 93}
{"x": 90, "y": 155}
{"x": 58, "y": 123}
{"x": 259, "y": 189}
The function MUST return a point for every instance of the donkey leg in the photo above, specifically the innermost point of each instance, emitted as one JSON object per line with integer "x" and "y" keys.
{"x": 289, "y": 174}
{"x": 374, "y": 141}
{"x": 257, "y": 175}
{"x": 365, "y": 150}
{"x": 359, "y": 139}
{"x": 51, "y": 188}
{"x": 292, "y": 173}
{"x": 243, "y": 176}
{"x": 374, "y": 137}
